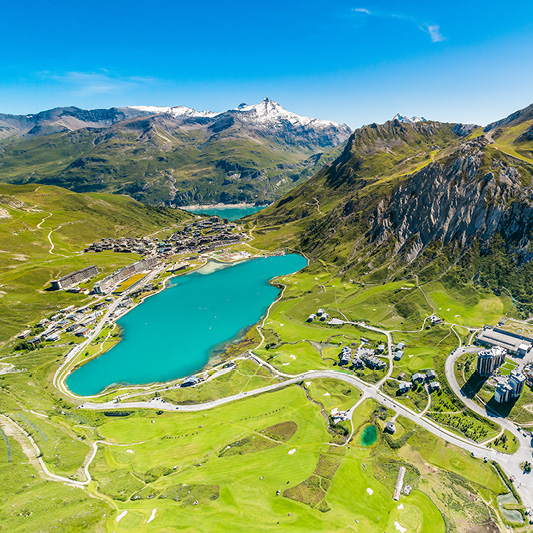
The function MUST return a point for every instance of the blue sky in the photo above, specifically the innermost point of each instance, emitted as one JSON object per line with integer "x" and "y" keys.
{"x": 350, "y": 61}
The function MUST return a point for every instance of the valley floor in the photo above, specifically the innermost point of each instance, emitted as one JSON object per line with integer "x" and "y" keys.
{"x": 257, "y": 444}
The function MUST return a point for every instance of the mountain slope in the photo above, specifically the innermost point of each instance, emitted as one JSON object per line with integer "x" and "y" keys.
{"x": 514, "y": 134}
{"x": 462, "y": 203}
{"x": 171, "y": 156}
{"x": 42, "y": 231}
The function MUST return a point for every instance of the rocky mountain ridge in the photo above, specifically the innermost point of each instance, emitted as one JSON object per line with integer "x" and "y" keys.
{"x": 170, "y": 156}
{"x": 404, "y": 196}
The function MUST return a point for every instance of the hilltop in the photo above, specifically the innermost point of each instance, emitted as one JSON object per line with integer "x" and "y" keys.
{"x": 421, "y": 197}
{"x": 170, "y": 155}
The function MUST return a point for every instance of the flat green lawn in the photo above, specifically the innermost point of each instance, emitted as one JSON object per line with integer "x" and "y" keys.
{"x": 422, "y": 348}
{"x": 507, "y": 367}
{"x": 467, "y": 306}
{"x": 332, "y": 393}
{"x": 198, "y": 445}
{"x": 295, "y": 358}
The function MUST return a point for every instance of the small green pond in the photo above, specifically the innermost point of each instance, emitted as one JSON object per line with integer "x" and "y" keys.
{"x": 370, "y": 435}
{"x": 510, "y": 514}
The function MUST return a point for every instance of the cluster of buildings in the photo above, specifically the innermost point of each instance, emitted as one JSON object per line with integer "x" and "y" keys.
{"x": 507, "y": 389}
{"x": 142, "y": 246}
{"x": 489, "y": 361}
{"x": 205, "y": 236}
{"x": 320, "y": 315}
{"x": 74, "y": 278}
{"x": 363, "y": 357}
{"x": 68, "y": 320}
{"x": 398, "y": 353}
{"x": 430, "y": 378}
{"x": 110, "y": 282}
{"x": 198, "y": 237}
{"x": 511, "y": 388}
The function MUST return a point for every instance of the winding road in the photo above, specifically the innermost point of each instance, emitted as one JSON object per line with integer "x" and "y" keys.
{"x": 509, "y": 463}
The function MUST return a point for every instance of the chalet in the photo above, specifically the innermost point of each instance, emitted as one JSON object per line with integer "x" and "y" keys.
{"x": 431, "y": 375}
{"x": 434, "y": 385}
{"x": 417, "y": 378}
{"x": 190, "y": 381}
{"x": 404, "y": 387}
{"x": 390, "y": 427}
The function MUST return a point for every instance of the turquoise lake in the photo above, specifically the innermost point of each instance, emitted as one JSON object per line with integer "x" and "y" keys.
{"x": 231, "y": 213}
{"x": 174, "y": 333}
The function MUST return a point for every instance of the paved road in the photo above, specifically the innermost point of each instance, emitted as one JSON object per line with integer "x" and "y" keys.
{"x": 509, "y": 463}
{"x": 64, "y": 369}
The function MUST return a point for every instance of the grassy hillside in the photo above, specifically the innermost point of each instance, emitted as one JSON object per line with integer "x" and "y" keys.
{"x": 43, "y": 229}
{"x": 160, "y": 162}
{"x": 405, "y": 199}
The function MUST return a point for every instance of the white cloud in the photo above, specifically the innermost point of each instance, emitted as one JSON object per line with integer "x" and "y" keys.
{"x": 434, "y": 32}
{"x": 95, "y": 83}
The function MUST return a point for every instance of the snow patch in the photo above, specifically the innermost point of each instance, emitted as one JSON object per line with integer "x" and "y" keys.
{"x": 406, "y": 120}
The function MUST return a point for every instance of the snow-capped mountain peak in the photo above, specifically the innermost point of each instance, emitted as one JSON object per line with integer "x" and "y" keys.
{"x": 407, "y": 120}
{"x": 176, "y": 111}
{"x": 268, "y": 111}
{"x": 265, "y": 113}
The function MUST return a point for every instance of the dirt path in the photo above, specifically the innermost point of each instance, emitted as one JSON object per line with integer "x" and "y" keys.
{"x": 39, "y": 225}
{"x": 32, "y": 452}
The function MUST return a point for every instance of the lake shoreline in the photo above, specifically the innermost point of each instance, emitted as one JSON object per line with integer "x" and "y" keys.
{"x": 201, "y": 207}
{"x": 211, "y": 360}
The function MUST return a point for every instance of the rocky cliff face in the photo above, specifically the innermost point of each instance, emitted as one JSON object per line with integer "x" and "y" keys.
{"x": 457, "y": 201}
{"x": 401, "y": 191}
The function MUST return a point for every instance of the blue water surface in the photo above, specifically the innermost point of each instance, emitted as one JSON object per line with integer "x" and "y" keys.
{"x": 231, "y": 213}
{"x": 173, "y": 333}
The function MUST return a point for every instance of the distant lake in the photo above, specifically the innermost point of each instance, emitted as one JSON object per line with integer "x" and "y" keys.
{"x": 174, "y": 333}
{"x": 231, "y": 213}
